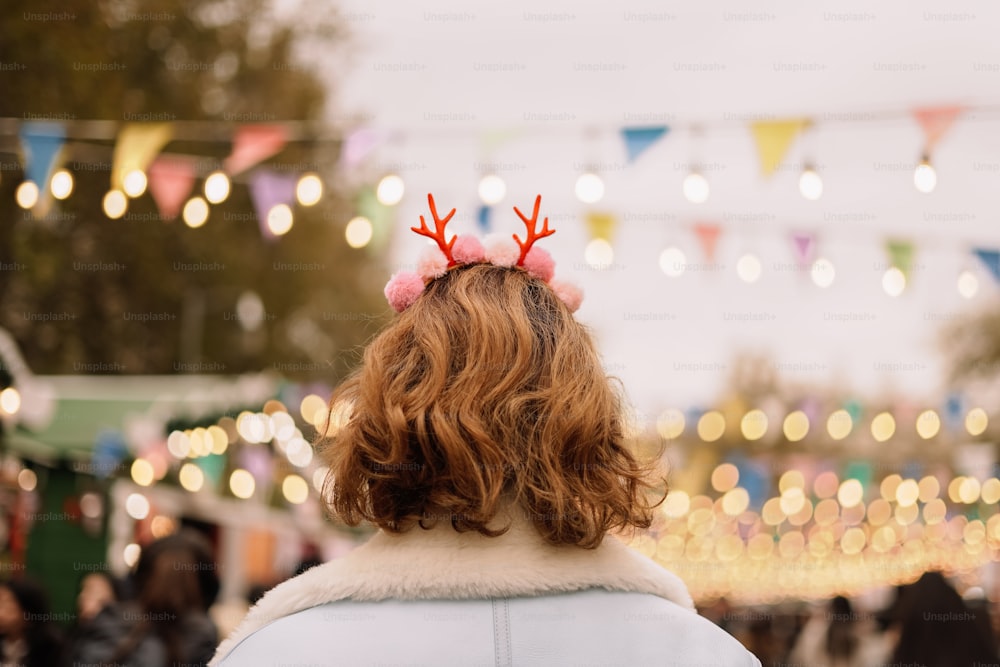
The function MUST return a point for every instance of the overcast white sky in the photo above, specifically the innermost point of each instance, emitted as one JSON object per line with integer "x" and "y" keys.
{"x": 438, "y": 78}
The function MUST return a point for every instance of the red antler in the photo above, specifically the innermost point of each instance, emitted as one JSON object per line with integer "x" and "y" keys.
{"x": 438, "y": 233}
{"x": 532, "y": 235}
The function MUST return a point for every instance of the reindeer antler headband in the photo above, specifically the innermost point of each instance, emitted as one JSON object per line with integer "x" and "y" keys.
{"x": 405, "y": 287}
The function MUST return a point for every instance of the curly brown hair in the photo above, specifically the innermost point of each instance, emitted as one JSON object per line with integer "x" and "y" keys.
{"x": 486, "y": 388}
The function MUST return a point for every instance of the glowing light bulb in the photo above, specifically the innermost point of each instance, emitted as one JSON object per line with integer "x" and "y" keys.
{"x": 195, "y": 212}
{"x": 599, "y": 254}
{"x": 358, "y": 232}
{"x": 492, "y": 189}
{"x": 26, "y": 194}
{"x": 749, "y": 268}
{"x": 696, "y": 188}
{"x": 810, "y": 184}
{"x": 822, "y": 272}
{"x": 10, "y": 400}
{"x": 62, "y": 184}
{"x": 589, "y": 188}
{"x": 673, "y": 261}
{"x": 280, "y": 219}
{"x": 924, "y": 176}
{"x": 309, "y": 190}
{"x": 216, "y": 187}
{"x": 894, "y": 281}
{"x": 390, "y": 190}
{"x": 968, "y": 284}
{"x": 134, "y": 183}
{"x": 115, "y": 204}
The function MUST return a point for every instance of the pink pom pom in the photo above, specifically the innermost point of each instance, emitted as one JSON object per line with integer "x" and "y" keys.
{"x": 568, "y": 293}
{"x": 540, "y": 264}
{"x": 403, "y": 289}
{"x": 501, "y": 250}
{"x": 432, "y": 263}
{"x": 468, "y": 250}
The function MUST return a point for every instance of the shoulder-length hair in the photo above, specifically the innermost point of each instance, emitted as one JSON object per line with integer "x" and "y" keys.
{"x": 485, "y": 389}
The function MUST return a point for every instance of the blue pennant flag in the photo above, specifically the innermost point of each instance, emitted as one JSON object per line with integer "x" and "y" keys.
{"x": 41, "y": 142}
{"x": 483, "y": 218}
{"x": 991, "y": 258}
{"x": 638, "y": 139}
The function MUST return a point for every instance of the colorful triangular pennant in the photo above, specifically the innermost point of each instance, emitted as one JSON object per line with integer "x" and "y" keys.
{"x": 638, "y": 139}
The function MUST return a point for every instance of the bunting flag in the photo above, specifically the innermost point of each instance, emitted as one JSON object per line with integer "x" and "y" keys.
{"x": 804, "y": 245}
{"x": 773, "y": 139}
{"x": 708, "y": 237}
{"x": 935, "y": 123}
{"x": 268, "y": 189}
{"x": 254, "y": 143}
{"x": 357, "y": 145}
{"x": 991, "y": 258}
{"x": 900, "y": 255}
{"x": 601, "y": 225}
{"x": 491, "y": 140}
{"x": 137, "y": 145}
{"x": 638, "y": 139}
{"x": 378, "y": 214}
{"x": 483, "y": 219}
{"x": 42, "y": 143}
{"x": 170, "y": 181}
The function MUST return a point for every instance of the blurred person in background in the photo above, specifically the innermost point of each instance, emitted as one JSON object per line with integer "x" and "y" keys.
{"x": 99, "y": 593}
{"x": 28, "y": 637}
{"x": 837, "y": 636}
{"x": 937, "y": 629}
{"x": 168, "y": 622}
{"x": 486, "y": 442}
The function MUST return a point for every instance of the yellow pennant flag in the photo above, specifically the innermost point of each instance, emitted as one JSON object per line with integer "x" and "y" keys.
{"x": 138, "y": 144}
{"x": 774, "y": 139}
{"x": 601, "y": 225}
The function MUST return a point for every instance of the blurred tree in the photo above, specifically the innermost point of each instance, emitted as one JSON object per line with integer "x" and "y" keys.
{"x": 972, "y": 346}
{"x": 73, "y": 280}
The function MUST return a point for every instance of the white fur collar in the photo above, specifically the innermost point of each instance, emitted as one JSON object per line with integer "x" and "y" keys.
{"x": 442, "y": 564}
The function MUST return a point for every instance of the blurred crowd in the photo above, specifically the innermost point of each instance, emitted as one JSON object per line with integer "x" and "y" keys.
{"x": 163, "y": 615}
{"x": 927, "y": 624}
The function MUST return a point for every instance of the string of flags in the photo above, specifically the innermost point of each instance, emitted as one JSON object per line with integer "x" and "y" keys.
{"x": 139, "y": 163}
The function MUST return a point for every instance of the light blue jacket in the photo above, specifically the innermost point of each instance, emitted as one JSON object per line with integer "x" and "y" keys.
{"x": 437, "y": 597}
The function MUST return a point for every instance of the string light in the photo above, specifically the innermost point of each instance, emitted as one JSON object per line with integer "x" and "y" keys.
{"x": 309, "y": 189}
{"x": 195, "y": 212}
{"x": 894, "y": 281}
{"x": 358, "y": 232}
{"x": 822, "y": 272}
{"x": 696, "y": 189}
{"x": 968, "y": 284}
{"x": 217, "y": 187}
{"x": 26, "y": 195}
{"x": 280, "y": 219}
{"x": 115, "y": 204}
{"x": 10, "y": 400}
{"x": 390, "y": 190}
{"x": 599, "y": 254}
{"x": 924, "y": 176}
{"x": 673, "y": 261}
{"x": 134, "y": 183}
{"x": 62, "y": 184}
{"x": 589, "y": 187}
{"x": 242, "y": 483}
{"x": 810, "y": 183}
{"x": 492, "y": 189}
{"x": 748, "y": 268}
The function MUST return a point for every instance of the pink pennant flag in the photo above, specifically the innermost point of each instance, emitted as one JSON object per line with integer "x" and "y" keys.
{"x": 269, "y": 188}
{"x": 804, "y": 244}
{"x": 935, "y": 122}
{"x": 358, "y": 144}
{"x": 254, "y": 143}
{"x": 708, "y": 236}
{"x": 171, "y": 178}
